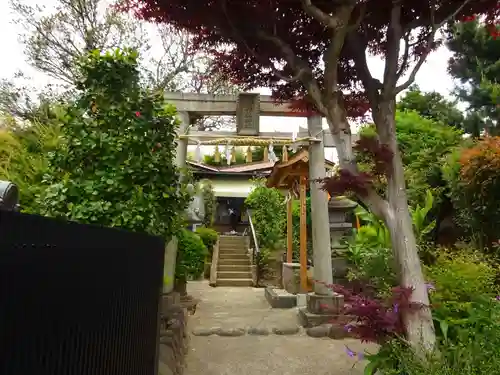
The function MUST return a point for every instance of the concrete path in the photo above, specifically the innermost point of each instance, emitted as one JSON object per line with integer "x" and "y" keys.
{"x": 231, "y": 311}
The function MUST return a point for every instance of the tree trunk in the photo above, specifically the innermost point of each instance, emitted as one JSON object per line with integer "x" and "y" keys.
{"x": 418, "y": 322}
{"x": 396, "y": 215}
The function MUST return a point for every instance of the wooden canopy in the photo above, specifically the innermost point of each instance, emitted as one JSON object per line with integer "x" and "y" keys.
{"x": 292, "y": 174}
{"x": 287, "y": 173}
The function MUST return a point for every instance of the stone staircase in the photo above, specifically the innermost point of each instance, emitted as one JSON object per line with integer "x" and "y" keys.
{"x": 234, "y": 266}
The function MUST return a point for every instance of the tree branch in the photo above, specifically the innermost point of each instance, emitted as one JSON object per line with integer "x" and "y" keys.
{"x": 339, "y": 26}
{"x": 325, "y": 19}
{"x": 303, "y": 71}
{"x": 357, "y": 49}
{"x": 270, "y": 38}
{"x": 331, "y": 59}
{"x": 394, "y": 34}
{"x": 430, "y": 41}
{"x": 406, "y": 54}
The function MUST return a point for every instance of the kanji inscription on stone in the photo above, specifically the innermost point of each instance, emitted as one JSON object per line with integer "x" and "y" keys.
{"x": 247, "y": 114}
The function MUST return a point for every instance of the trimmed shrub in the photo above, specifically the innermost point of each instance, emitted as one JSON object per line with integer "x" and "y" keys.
{"x": 117, "y": 165}
{"x": 268, "y": 215}
{"x": 473, "y": 175}
{"x": 191, "y": 254}
{"x": 209, "y": 238}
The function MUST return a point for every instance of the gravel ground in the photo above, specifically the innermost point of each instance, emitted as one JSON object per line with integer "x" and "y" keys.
{"x": 235, "y": 331}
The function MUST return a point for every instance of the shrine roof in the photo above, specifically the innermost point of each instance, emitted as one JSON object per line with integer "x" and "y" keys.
{"x": 259, "y": 166}
{"x": 285, "y": 172}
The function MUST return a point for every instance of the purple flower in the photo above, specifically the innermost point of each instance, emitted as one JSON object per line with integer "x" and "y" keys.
{"x": 349, "y": 352}
{"x": 430, "y": 287}
{"x": 348, "y": 327}
{"x": 497, "y": 298}
{"x": 396, "y": 308}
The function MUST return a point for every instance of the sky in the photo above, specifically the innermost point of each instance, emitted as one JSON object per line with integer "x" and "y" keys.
{"x": 431, "y": 77}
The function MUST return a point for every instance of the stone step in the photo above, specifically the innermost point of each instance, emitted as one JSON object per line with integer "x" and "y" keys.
{"x": 232, "y": 242}
{"x": 233, "y": 268}
{"x": 234, "y": 282}
{"x": 235, "y": 262}
{"x": 234, "y": 274}
{"x": 233, "y": 251}
{"x": 232, "y": 256}
{"x": 232, "y": 247}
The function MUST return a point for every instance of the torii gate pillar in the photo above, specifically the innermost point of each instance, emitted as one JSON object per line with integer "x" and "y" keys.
{"x": 180, "y": 161}
{"x": 323, "y": 302}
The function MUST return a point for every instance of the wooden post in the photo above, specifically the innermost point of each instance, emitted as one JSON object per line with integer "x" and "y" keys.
{"x": 289, "y": 228}
{"x": 303, "y": 235}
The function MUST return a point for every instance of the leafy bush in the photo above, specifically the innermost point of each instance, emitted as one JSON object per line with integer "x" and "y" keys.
{"x": 24, "y": 158}
{"x": 369, "y": 253}
{"x": 268, "y": 211}
{"x": 209, "y": 238}
{"x": 423, "y": 144}
{"x": 473, "y": 175}
{"x": 191, "y": 254}
{"x": 117, "y": 164}
{"x": 460, "y": 281}
{"x": 376, "y": 320}
{"x": 478, "y": 356}
{"x": 466, "y": 314}
{"x": 369, "y": 250}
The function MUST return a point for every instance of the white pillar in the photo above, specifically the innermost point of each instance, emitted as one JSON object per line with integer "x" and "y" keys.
{"x": 322, "y": 253}
{"x": 182, "y": 144}
{"x": 180, "y": 161}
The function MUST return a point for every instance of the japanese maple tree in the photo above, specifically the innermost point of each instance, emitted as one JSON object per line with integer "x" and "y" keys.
{"x": 316, "y": 50}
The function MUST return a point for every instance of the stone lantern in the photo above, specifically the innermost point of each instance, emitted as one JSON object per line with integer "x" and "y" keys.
{"x": 9, "y": 196}
{"x": 338, "y": 208}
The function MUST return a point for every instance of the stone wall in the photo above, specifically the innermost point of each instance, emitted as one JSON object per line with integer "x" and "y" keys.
{"x": 174, "y": 336}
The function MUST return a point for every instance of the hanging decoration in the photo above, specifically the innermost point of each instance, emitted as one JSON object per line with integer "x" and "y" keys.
{"x": 295, "y": 143}
{"x": 272, "y": 155}
{"x": 197, "y": 153}
{"x": 233, "y": 155}
{"x": 288, "y": 145}
{"x": 284, "y": 154}
{"x": 249, "y": 155}
{"x": 217, "y": 154}
{"x": 249, "y": 140}
{"x": 228, "y": 153}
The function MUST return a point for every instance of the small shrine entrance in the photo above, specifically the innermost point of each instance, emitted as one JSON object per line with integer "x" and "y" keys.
{"x": 248, "y": 108}
{"x": 293, "y": 176}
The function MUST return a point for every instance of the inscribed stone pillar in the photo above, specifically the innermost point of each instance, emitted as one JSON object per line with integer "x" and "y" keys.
{"x": 180, "y": 161}
{"x": 247, "y": 114}
{"x": 319, "y": 210}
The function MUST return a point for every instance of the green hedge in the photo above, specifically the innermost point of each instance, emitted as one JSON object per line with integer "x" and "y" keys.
{"x": 191, "y": 255}
{"x": 209, "y": 238}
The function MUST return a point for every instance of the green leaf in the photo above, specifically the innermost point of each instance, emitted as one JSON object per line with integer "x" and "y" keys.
{"x": 443, "y": 325}
{"x": 370, "y": 368}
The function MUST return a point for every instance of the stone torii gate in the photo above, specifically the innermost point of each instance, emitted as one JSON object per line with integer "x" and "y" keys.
{"x": 248, "y": 108}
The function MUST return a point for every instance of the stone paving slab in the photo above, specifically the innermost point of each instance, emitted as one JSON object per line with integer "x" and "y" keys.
{"x": 257, "y": 339}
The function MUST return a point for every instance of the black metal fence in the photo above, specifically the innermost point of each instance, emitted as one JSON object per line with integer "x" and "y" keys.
{"x": 77, "y": 299}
